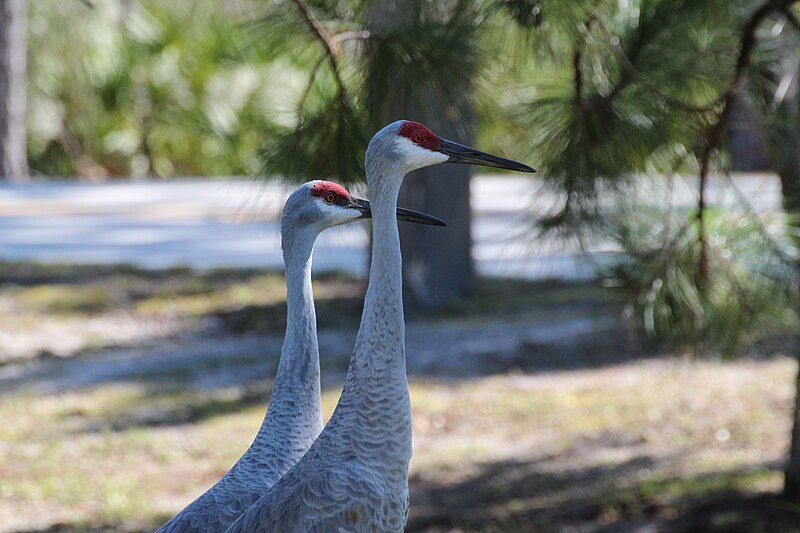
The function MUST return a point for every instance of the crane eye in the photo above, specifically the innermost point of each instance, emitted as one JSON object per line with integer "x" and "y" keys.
{"x": 417, "y": 138}
{"x": 330, "y": 197}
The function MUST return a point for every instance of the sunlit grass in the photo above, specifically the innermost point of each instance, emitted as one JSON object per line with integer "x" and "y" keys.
{"x": 132, "y": 454}
{"x": 72, "y": 309}
{"x": 624, "y": 440}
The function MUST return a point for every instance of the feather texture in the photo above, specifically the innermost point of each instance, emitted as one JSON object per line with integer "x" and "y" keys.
{"x": 294, "y": 416}
{"x": 354, "y": 477}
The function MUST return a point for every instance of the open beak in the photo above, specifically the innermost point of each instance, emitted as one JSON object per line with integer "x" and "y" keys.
{"x": 402, "y": 214}
{"x": 459, "y": 153}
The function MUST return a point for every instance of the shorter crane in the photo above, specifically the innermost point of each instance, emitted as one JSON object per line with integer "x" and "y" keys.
{"x": 294, "y": 416}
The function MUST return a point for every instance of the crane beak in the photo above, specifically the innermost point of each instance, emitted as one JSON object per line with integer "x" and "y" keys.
{"x": 402, "y": 214}
{"x": 418, "y": 218}
{"x": 459, "y": 153}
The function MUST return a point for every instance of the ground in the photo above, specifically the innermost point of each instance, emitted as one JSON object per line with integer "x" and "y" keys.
{"x": 125, "y": 393}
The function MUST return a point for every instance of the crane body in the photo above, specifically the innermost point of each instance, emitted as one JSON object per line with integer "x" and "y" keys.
{"x": 354, "y": 478}
{"x": 294, "y": 416}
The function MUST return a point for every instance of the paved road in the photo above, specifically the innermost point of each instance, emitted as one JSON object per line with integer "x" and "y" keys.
{"x": 205, "y": 224}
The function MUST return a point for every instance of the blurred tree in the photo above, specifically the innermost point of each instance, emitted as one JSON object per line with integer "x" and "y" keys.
{"x": 648, "y": 87}
{"x": 384, "y": 61}
{"x": 149, "y": 88}
{"x": 435, "y": 87}
{"x": 13, "y": 163}
{"x": 775, "y": 95}
{"x": 592, "y": 92}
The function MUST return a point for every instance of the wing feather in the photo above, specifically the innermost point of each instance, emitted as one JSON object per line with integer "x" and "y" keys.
{"x": 339, "y": 499}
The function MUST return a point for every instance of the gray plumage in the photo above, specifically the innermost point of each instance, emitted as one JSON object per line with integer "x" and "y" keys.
{"x": 294, "y": 417}
{"x": 354, "y": 477}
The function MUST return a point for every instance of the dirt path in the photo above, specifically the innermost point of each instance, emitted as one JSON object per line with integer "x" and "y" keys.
{"x": 444, "y": 348}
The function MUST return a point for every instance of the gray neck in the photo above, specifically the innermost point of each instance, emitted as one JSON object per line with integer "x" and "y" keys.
{"x": 295, "y": 411}
{"x": 375, "y": 407}
{"x": 380, "y": 345}
{"x": 300, "y": 343}
{"x": 373, "y": 417}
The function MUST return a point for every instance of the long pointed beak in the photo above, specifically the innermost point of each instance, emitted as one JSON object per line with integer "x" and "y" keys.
{"x": 402, "y": 214}
{"x": 459, "y": 153}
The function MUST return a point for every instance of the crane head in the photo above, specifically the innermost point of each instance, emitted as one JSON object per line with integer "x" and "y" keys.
{"x": 419, "y": 147}
{"x": 324, "y": 204}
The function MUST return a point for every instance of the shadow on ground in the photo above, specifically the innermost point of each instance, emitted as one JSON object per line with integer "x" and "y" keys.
{"x": 564, "y": 329}
{"x": 509, "y": 327}
{"x": 522, "y": 497}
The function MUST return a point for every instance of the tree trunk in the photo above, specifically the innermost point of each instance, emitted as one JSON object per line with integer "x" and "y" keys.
{"x": 437, "y": 262}
{"x": 791, "y": 487}
{"x": 790, "y": 185}
{"x": 13, "y": 146}
{"x": 790, "y": 189}
{"x": 784, "y": 154}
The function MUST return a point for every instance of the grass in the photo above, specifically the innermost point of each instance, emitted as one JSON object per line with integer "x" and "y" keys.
{"x": 623, "y": 443}
{"x": 92, "y": 307}
{"x": 499, "y": 296}
{"x": 130, "y": 454}
{"x": 639, "y": 442}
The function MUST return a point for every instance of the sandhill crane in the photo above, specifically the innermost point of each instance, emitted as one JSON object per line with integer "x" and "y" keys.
{"x": 294, "y": 416}
{"x": 354, "y": 478}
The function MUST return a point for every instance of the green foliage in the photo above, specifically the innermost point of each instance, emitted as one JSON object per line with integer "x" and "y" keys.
{"x": 594, "y": 92}
{"x": 328, "y": 143}
{"x": 750, "y": 294}
{"x": 148, "y": 87}
{"x": 618, "y": 89}
{"x": 369, "y": 61}
{"x": 635, "y": 87}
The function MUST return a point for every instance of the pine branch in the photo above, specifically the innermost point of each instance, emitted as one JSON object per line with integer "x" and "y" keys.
{"x": 774, "y": 246}
{"x": 635, "y": 75}
{"x": 355, "y": 35}
{"x": 338, "y": 120}
{"x": 791, "y": 17}
{"x": 316, "y": 27}
{"x": 581, "y": 105}
{"x": 715, "y": 132}
{"x": 330, "y": 45}
{"x": 302, "y": 103}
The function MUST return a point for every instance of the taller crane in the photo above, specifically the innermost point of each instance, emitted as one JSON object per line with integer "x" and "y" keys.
{"x": 354, "y": 478}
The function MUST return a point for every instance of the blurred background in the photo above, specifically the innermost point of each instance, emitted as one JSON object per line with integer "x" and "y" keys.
{"x": 609, "y": 345}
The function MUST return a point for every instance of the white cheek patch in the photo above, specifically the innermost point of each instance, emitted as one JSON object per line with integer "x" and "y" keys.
{"x": 335, "y": 215}
{"x": 415, "y": 157}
